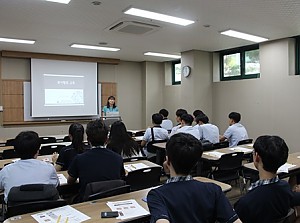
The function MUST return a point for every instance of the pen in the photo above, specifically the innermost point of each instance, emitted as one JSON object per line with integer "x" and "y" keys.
{"x": 58, "y": 219}
{"x": 133, "y": 167}
{"x": 122, "y": 204}
{"x": 67, "y": 220}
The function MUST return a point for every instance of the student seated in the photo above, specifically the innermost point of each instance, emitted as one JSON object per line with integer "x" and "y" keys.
{"x": 67, "y": 154}
{"x": 197, "y": 113}
{"x": 179, "y": 113}
{"x": 156, "y": 132}
{"x": 120, "y": 142}
{"x": 28, "y": 170}
{"x": 236, "y": 131}
{"x": 166, "y": 123}
{"x": 269, "y": 199}
{"x": 183, "y": 199}
{"x": 186, "y": 126}
{"x": 98, "y": 163}
{"x": 207, "y": 131}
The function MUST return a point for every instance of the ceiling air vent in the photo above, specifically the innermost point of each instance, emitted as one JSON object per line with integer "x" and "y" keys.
{"x": 133, "y": 27}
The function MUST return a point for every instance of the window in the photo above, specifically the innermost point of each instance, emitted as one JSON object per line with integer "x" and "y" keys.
{"x": 176, "y": 72}
{"x": 240, "y": 63}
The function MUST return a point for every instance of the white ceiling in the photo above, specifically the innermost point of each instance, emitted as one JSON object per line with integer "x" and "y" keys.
{"x": 55, "y": 26}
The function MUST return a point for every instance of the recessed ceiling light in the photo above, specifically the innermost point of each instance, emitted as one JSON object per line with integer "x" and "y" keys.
{"x": 91, "y": 47}
{"x": 158, "y": 16}
{"x": 59, "y": 1}
{"x": 9, "y": 40}
{"x": 245, "y": 36}
{"x": 162, "y": 55}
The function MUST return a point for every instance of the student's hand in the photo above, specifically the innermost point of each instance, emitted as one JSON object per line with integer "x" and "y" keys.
{"x": 166, "y": 167}
{"x": 54, "y": 157}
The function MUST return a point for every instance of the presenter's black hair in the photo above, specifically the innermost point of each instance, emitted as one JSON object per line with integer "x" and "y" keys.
{"x": 111, "y": 97}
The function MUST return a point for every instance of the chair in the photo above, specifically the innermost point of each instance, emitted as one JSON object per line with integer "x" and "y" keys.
{"x": 229, "y": 168}
{"x": 10, "y": 154}
{"x": 108, "y": 193}
{"x": 32, "y": 197}
{"x": 144, "y": 178}
{"x": 95, "y": 189}
{"x": 289, "y": 218}
{"x": 245, "y": 141}
{"x": 160, "y": 152}
{"x": 50, "y": 149}
{"x": 10, "y": 142}
{"x": 221, "y": 145}
{"x": 139, "y": 133}
{"x": 141, "y": 219}
{"x": 207, "y": 145}
{"x": 67, "y": 139}
{"x": 45, "y": 140}
{"x": 132, "y": 159}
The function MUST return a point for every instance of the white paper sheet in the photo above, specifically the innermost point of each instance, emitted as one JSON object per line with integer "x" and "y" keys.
{"x": 214, "y": 154}
{"x": 64, "y": 214}
{"x": 134, "y": 166}
{"x": 241, "y": 149}
{"x": 127, "y": 209}
{"x": 62, "y": 179}
{"x": 285, "y": 168}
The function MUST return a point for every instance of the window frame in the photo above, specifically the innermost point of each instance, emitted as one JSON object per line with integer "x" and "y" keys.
{"x": 173, "y": 72}
{"x": 297, "y": 55}
{"x": 242, "y": 51}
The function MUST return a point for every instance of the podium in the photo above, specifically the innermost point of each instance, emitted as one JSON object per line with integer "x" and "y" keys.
{"x": 109, "y": 120}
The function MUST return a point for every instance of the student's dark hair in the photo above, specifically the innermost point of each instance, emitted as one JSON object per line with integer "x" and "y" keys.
{"x": 197, "y": 113}
{"x": 180, "y": 112}
{"x": 187, "y": 118}
{"x": 183, "y": 151}
{"x": 164, "y": 112}
{"x": 157, "y": 118}
{"x": 76, "y": 130}
{"x": 120, "y": 141}
{"x": 27, "y": 144}
{"x": 272, "y": 150}
{"x": 111, "y": 97}
{"x": 235, "y": 116}
{"x": 203, "y": 118}
{"x": 96, "y": 132}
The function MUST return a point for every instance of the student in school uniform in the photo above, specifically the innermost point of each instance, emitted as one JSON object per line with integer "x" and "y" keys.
{"x": 183, "y": 199}
{"x": 268, "y": 199}
{"x": 155, "y": 132}
{"x": 28, "y": 170}
{"x": 186, "y": 126}
{"x": 179, "y": 113}
{"x": 196, "y": 113}
{"x": 236, "y": 131}
{"x": 166, "y": 123}
{"x": 207, "y": 130}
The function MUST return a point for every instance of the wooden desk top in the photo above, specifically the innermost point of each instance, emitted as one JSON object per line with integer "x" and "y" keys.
{"x": 93, "y": 208}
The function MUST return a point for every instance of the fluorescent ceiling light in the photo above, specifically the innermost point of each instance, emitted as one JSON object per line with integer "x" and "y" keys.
{"x": 158, "y": 16}
{"x": 9, "y": 40}
{"x": 162, "y": 55}
{"x": 90, "y": 47}
{"x": 245, "y": 36}
{"x": 59, "y": 1}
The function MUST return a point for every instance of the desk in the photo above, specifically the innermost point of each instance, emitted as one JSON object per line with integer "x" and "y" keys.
{"x": 93, "y": 209}
{"x": 294, "y": 158}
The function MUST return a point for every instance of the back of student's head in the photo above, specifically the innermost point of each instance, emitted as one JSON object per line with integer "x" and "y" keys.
{"x": 76, "y": 131}
{"x": 235, "y": 116}
{"x": 272, "y": 150}
{"x": 187, "y": 118}
{"x": 96, "y": 132}
{"x": 27, "y": 144}
{"x": 180, "y": 112}
{"x": 183, "y": 151}
{"x": 202, "y": 118}
{"x": 164, "y": 112}
{"x": 197, "y": 113}
{"x": 157, "y": 118}
{"x": 118, "y": 132}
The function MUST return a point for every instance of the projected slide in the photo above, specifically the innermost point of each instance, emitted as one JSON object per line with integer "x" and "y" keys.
{"x": 64, "y": 90}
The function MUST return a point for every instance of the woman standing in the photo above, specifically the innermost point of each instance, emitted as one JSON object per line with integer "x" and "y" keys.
{"x": 110, "y": 106}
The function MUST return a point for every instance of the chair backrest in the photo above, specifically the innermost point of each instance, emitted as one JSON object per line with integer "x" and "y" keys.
{"x": 220, "y": 145}
{"x": 67, "y": 139}
{"x": 207, "y": 145}
{"x": 101, "y": 186}
{"x": 50, "y": 149}
{"x": 141, "y": 219}
{"x": 289, "y": 218}
{"x": 139, "y": 133}
{"x": 152, "y": 148}
{"x": 10, "y": 142}
{"x": 45, "y": 140}
{"x": 132, "y": 159}
{"x": 245, "y": 141}
{"x": 231, "y": 161}
{"x": 144, "y": 178}
{"x": 108, "y": 193}
{"x": 10, "y": 154}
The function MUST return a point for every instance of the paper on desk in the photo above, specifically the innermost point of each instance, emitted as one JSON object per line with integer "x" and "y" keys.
{"x": 62, "y": 179}
{"x": 15, "y": 160}
{"x": 241, "y": 149}
{"x": 214, "y": 154}
{"x": 134, "y": 166}
{"x": 127, "y": 209}
{"x": 138, "y": 138}
{"x": 285, "y": 168}
{"x": 66, "y": 212}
